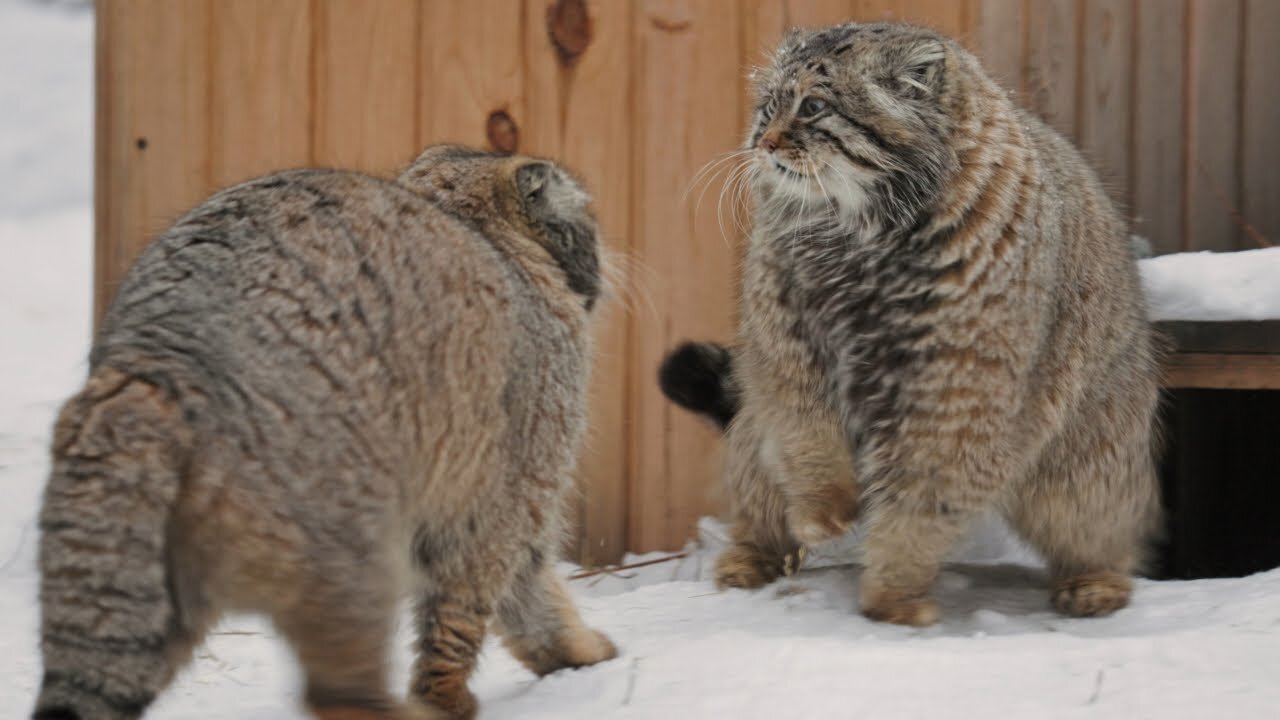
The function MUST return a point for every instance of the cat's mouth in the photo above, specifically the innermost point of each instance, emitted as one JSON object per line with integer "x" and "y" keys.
{"x": 788, "y": 172}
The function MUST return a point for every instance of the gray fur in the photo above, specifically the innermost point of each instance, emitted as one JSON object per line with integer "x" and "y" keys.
{"x": 940, "y": 314}
{"x": 319, "y": 392}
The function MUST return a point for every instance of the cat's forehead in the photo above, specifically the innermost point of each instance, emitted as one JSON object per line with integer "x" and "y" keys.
{"x": 843, "y": 51}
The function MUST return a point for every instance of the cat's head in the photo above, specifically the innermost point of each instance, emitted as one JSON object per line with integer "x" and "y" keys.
{"x": 536, "y": 198}
{"x": 857, "y": 116}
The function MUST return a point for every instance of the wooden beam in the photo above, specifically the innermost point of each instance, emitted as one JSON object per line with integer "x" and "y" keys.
{"x": 1223, "y": 371}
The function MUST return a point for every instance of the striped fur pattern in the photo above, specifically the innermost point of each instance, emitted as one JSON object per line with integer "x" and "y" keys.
{"x": 317, "y": 393}
{"x": 940, "y": 313}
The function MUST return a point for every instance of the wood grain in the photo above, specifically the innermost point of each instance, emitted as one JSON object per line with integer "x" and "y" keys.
{"x": 1260, "y": 143}
{"x": 1213, "y": 126}
{"x": 1106, "y": 93}
{"x": 261, "y": 100}
{"x": 471, "y": 68}
{"x": 152, "y": 129}
{"x": 579, "y": 112}
{"x": 1052, "y": 62}
{"x": 1159, "y": 94}
{"x": 997, "y": 33}
{"x": 1223, "y": 371}
{"x": 366, "y": 84}
{"x": 690, "y": 263}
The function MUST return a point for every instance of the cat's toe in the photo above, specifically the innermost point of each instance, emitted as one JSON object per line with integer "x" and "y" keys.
{"x": 1092, "y": 595}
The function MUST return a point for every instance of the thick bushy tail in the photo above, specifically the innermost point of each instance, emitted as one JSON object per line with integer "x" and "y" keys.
{"x": 698, "y": 376}
{"x": 108, "y": 622}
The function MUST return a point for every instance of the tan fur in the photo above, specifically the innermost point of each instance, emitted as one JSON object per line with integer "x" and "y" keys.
{"x": 984, "y": 347}
{"x": 320, "y": 392}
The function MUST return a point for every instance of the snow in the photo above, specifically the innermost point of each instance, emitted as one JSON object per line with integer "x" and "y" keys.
{"x": 797, "y": 648}
{"x": 1241, "y": 285}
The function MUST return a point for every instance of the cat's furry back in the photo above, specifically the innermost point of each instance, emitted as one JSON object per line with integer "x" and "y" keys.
{"x": 940, "y": 314}
{"x": 317, "y": 393}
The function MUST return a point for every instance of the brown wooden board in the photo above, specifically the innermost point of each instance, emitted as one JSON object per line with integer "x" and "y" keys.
{"x": 1106, "y": 94}
{"x": 152, "y": 134}
{"x": 1053, "y": 33}
{"x": 1260, "y": 141}
{"x": 1213, "y": 126}
{"x": 1159, "y": 91}
{"x": 578, "y": 109}
{"x": 1223, "y": 371}
{"x": 261, "y": 106}
{"x": 688, "y": 260}
{"x": 366, "y": 84}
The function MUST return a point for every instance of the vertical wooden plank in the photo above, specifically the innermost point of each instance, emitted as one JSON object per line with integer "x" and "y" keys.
{"x": 366, "y": 84}
{"x": 261, "y": 109}
{"x": 471, "y": 56}
{"x": 1052, "y": 55}
{"x": 950, "y": 17}
{"x": 152, "y": 128}
{"x": 1158, "y": 131}
{"x": 877, "y": 10}
{"x": 688, "y": 81}
{"x": 578, "y": 111}
{"x": 1260, "y": 145}
{"x": 997, "y": 31}
{"x": 1213, "y": 125}
{"x": 1105, "y": 99}
{"x": 815, "y": 13}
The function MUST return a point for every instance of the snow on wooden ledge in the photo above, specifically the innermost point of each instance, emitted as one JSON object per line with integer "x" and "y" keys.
{"x": 1242, "y": 285}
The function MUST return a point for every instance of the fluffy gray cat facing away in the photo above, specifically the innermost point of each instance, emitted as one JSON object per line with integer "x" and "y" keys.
{"x": 940, "y": 314}
{"x": 316, "y": 394}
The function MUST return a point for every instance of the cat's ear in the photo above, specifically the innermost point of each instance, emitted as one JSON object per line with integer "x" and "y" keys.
{"x": 920, "y": 73}
{"x": 532, "y": 179}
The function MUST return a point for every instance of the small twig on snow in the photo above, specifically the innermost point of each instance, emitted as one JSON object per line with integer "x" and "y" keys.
{"x": 1097, "y": 687}
{"x": 629, "y": 566}
{"x": 631, "y": 680}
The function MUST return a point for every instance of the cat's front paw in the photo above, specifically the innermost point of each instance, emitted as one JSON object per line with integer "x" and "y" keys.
{"x": 747, "y": 567}
{"x": 1092, "y": 595}
{"x": 889, "y": 606}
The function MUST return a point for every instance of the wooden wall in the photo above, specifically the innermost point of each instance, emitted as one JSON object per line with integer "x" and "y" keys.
{"x": 1176, "y": 100}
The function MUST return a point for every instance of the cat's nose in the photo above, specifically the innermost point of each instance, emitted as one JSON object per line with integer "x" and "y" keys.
{"x": 768, "y": 142}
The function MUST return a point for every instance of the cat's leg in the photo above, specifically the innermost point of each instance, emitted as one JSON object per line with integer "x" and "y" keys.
{"x": 808, "y": 455}
{"x": 928, "y": 489}
{"x": 762, "y": 548}
{"x": 340, "y": 631}
{"x": 1089, "y": 507}
{"x": 451, "y": 623}
{"x": 540, "y": 625}
{"x": 902, "y": 552}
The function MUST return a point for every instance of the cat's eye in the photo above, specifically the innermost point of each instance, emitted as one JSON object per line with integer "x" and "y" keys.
{"x": 811, "y": 106}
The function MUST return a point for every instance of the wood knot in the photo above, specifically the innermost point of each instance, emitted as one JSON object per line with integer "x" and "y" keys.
{"x": 141, "y": 143}
{"x": 569, "y": 26}
{"x": 502, "y": 132}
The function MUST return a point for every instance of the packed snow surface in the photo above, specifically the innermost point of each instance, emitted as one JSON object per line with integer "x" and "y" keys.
{"x": 1242, "y": 285}
{"x": 796, "y": 649}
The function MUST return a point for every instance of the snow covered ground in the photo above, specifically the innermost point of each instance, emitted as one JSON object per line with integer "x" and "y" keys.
{"x": 796, "y": 649}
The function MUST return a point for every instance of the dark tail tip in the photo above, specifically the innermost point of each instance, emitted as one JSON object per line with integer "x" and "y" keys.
{"x": 55, "y": 713}
{"x": 698, "y": 376}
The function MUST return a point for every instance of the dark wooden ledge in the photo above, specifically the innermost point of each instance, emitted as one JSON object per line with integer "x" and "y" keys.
{"x": 1234, "y": 355}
